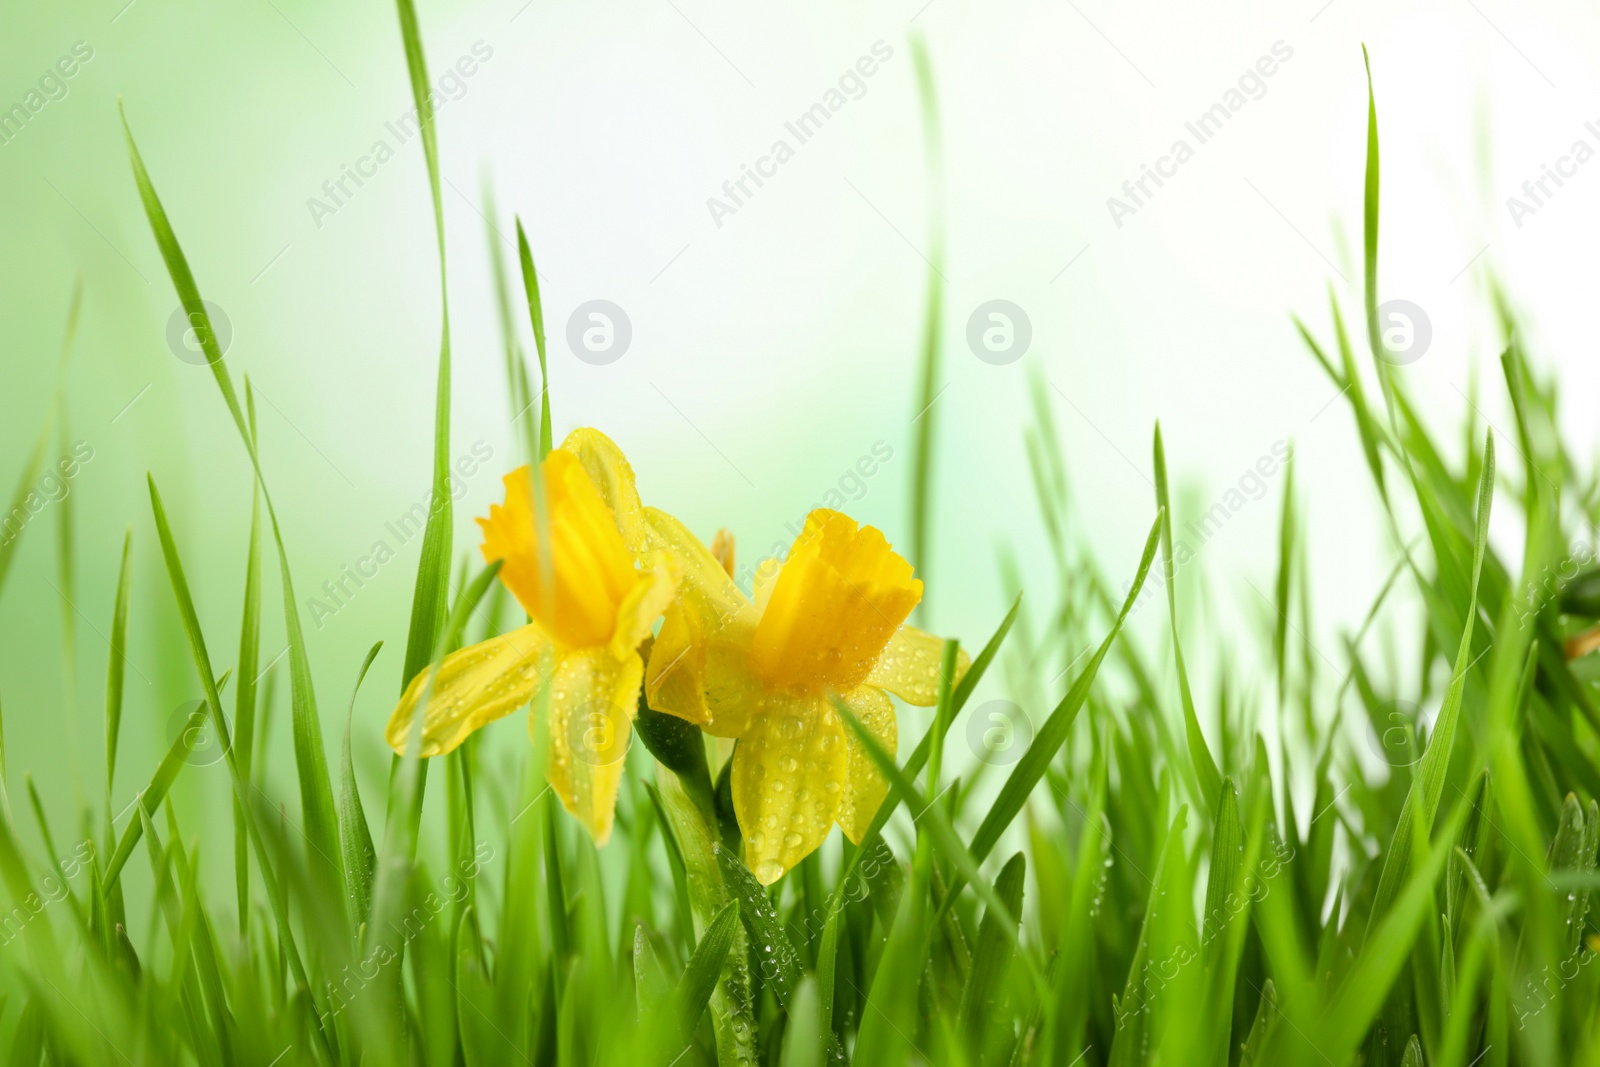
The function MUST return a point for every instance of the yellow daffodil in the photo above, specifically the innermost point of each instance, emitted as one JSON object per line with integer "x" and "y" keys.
{"x": 593, "y": 597}
{"x": 828, "y": 622}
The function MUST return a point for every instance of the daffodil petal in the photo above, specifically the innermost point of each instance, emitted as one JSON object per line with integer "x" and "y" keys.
{"x": 707, "y": 680}
{"x": 657, "y": 584}
{"x": 706, "y": 586}
{"x": 788, "y": 779}
{"x": 700, "y": 665}
{"x": 592, "y": 702}
{"x": 613, "y": 477}
{"x": 909, "y": 666}
{"x": 474, "y": 687}
{"x": 865, "y": 786}
{"x": 838, "y": 599}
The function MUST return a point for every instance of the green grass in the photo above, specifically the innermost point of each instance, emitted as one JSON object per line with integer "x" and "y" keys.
{"x": 1137, "y": 888}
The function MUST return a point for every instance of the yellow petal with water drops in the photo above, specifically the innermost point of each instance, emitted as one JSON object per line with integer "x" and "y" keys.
{"x": 865, "y": 786}
{"x": 788, "y": 783}
{"x": 706, "y": 587}
{"x": 575, "y": 593}
{"x": 701, "y": 672}
{"x": 909, "y": 666}
{"x": 700, "y": 666}
{"x": 612, "y": 476}
{"x": 838, "y": 599}
{"x": 592, "y": 702}
{"x": 474, "y": 687}
{"x": 652, "y": 592}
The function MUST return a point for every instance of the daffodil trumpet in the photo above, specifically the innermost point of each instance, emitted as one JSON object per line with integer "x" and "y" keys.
{"x": 828, "y": 623}
{"x": 587, "y": 572}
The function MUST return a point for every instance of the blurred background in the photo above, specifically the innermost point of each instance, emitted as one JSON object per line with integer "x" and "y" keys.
{"x": 772, "y": 328}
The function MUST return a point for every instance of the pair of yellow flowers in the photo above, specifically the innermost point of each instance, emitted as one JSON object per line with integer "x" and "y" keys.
{"x": 828, "y": 622}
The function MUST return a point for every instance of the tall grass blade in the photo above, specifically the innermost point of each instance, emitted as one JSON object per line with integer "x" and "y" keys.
{"x": 360, "y": 857}
{"x": 928, "y": 377}
{"x": 429, "y": 600}
{"x": 316, "y": 790}
{"x": 1205, "y": 768}
{"x": 530, "y": 289}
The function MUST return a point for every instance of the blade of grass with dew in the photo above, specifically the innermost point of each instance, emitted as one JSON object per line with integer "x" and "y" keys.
{"x": 991, "y": 957}
{"x": 941, "y": 833}
{"x": 1137, "y": 1018}
{"x": 1386, "y": 950}
{"x": 781, "y": 969}
{"x": 1205, "y": 768}
{"x": 1073, "y": 980}
{"x": 360, "y": 857}
{"x": 699, "y": 979}
{"x": 919, "y": 756}
{"x": 733, "y": 1010}
{"x": 311, "y": 765}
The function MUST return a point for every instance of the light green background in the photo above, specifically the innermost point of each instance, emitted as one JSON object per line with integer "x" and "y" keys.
{"x": 770, "y": 353}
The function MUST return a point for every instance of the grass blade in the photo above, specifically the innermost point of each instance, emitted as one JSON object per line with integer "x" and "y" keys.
{"x": 1053, "y": 734}
{"x": 927, "y": 392}
{"x": 316, "y": 790}
{"x": 699, "y": 979}
{"x": 430, "y": 597}
{"x": 360, "y": 857}
{"x": 530, "y": 289}
{"x": 1205, "y": 768}
{"x": 1427, "y": 787}
{"x": 117, "y": 663}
